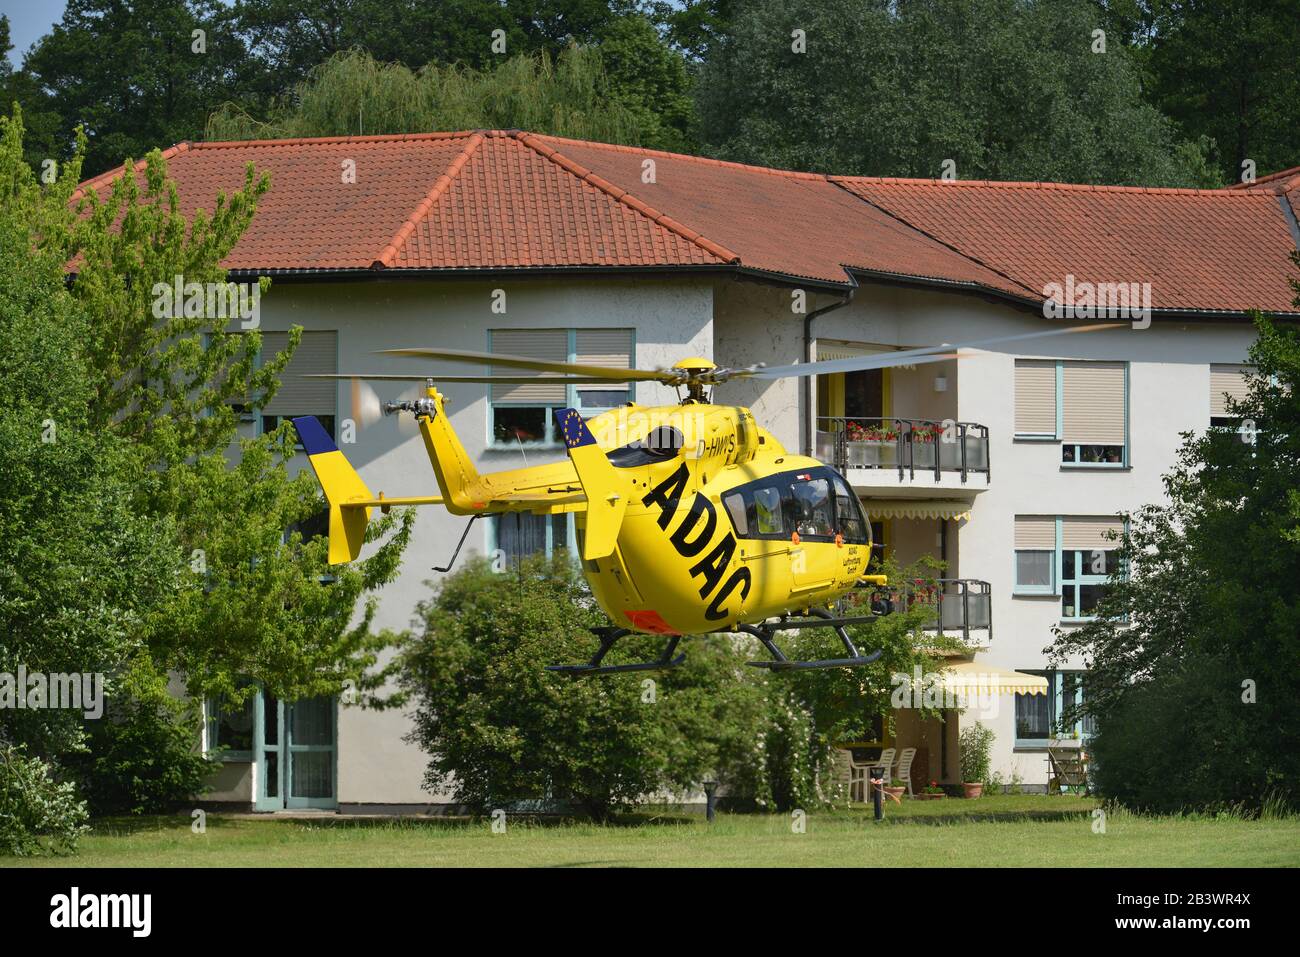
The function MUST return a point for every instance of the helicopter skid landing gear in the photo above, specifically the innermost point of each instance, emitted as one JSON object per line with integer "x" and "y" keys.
{"x": 766, "y": 633}
{"x": 608, "y": 636}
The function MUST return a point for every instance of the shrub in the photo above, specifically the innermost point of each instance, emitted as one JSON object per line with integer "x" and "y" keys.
{"x": 37, "y": 813}
{"x": 141, "y": 757}
{"x": 500, "y": 729}
{"x": 975, "y": 742}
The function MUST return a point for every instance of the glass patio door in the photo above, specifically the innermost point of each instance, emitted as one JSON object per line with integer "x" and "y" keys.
{"x": 296, "y": 753}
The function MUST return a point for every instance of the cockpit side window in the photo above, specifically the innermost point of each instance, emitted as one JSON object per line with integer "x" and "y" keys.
{"x": 780, "y": 505}
{"x": 849, "y": 520}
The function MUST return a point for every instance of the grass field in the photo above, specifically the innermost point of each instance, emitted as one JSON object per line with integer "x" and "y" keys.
{"x": 1006, "y": 830}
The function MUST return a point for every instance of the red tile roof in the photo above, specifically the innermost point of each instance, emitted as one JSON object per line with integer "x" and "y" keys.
{"x": 1199, "y": 249}
{"x": 495, "y": 200}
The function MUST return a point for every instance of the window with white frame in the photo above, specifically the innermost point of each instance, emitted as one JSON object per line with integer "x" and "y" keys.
{"x": 317, "y": 354}
{"x": 1073, "y": 556}
{"x": 523, "y": 412}
{"x": 1040, "y": 718}
{"x": 1083, "y": 405}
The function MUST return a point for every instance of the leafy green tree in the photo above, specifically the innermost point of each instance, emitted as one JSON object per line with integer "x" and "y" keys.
{"x": 1004, "y": 89}
{"x": 135, "y": 75}
{"x": 289, "y": 38}
{"x": 1191, "y": 675}
{"x": 573, "y": 96}
{"x": 1229, "y": 71}
{"x": 161, "y": 553}
{"x": 84, "y": 573}
{"x": 651, "y": 81}
{"x": 499, "y": 728}
{"x": 254, "y": 603}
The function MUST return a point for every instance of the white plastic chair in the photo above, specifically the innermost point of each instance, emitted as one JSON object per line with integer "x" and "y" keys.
{"x": 904, "y": 772}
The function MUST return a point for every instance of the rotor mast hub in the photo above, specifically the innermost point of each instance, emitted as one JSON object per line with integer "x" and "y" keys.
{"x": 696, "y": 372}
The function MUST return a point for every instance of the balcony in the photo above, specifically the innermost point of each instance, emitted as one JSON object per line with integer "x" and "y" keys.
{"x": 963, "y": 607}
{"x": 907, "y": 457}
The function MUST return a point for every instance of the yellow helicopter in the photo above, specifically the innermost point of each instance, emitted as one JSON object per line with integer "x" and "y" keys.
{"x": 691, "y": 518}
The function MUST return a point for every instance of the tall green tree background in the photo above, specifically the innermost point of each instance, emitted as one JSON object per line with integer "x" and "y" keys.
{"x": 1183, "y": 93}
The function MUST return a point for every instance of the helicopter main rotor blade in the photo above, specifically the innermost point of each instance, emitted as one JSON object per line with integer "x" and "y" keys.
{"x": 600, "y": 373}
{"x": 502, "y": 379}
{"x": 906, "y": 357}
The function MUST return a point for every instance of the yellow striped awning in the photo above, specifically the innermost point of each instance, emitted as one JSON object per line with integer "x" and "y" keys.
{"x": 917, "y": 508}
{"x": 976, "y": 678}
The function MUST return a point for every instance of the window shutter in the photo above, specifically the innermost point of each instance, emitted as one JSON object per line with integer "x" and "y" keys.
{"x": 1230, "y": 379}
{"x": 1079, "y": 533}
{"x": 1094, "y": 403}
{"x": 1035, "y": 397}
{"x": 549, "y": 344}
{"x": 1037, "y": 532}
{"x": 604, "y": 347}
{"x": 317, "y": 354}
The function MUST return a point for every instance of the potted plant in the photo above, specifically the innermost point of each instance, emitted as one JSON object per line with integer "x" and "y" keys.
{"x": 975, "y": 742}
{"x": 931, "y": 792}
{"x": 895, "y": 790}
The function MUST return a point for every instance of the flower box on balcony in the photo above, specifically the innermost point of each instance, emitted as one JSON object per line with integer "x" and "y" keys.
{"x": 872, "y": 453}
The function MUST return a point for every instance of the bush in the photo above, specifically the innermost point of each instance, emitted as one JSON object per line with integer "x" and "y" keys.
{"x": 36, "y": 812}
{"x": 141, "y": 757}
{"x": 975, "y": 742}
{"x": 500, "y": 729}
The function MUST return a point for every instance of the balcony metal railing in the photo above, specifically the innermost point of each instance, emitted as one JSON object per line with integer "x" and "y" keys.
{"x": 908, "y": 445}
{"x": 962, "y": 605}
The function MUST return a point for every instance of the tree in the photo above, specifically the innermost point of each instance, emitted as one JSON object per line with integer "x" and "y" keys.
{"x": 290, "y": 38}
{"x": 135, "y": 75}
{"x": 156, "y": 555}
{"x": 84, "y": 574}
{"x": 1001, "y": 88}
{"x": 1229, "y": 71}
{"x": 651, "y": 81}
{"x": 353, "y": 92}
{"x": 500, "y": 729}
{"x": 1190, "y": 662}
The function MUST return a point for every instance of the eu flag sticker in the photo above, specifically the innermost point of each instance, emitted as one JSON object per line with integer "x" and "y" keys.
{"x": 572, "y": 429}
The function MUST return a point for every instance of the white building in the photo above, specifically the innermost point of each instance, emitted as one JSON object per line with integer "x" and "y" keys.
{"x": 533, "y": 244}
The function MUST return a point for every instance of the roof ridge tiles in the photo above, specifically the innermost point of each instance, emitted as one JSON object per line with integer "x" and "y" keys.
{"x": 103, "y": 179}
{"x": 389, "y": 253}
{"x": 699, "y": 160}
{"x": 327, "y": 140}
{"x": 1043, "y": 185}
{"x": 533, "y": 142}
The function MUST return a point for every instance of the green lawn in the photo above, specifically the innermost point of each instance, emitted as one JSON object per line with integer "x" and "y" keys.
{"x": 1007, "y": 830}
